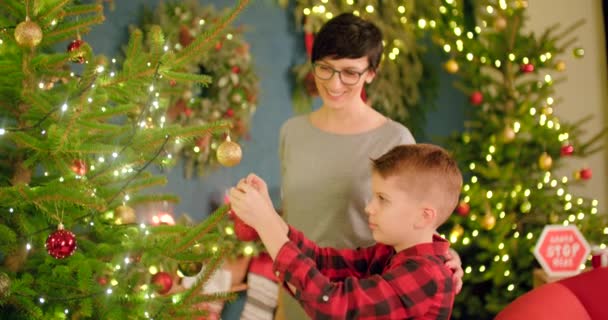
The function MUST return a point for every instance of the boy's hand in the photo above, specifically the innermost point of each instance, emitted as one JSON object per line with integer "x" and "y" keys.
{"x": 250, "y": 205}
{"x": 455, "y": 264}
{"x": 259, "y": 184}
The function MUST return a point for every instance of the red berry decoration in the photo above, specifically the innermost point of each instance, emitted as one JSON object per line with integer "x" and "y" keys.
{"x": 476, "y": 98}
{"x": 527, "y": 68}
{"x": 586, "y": 173}
{"x": 74, "y": 46}
{"x": 61, "y": 243}
{"x": 243, "y": 231}
{"x": 163, "y": 282}
{"x": 463, "y": 209}
{"x": 229, "y": 113}
{"x": 79, "y": 167}
{"x": 567, "y": 150}
{"x": 236, "y": 69}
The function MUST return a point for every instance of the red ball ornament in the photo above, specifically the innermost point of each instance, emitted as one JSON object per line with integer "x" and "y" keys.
{"x": 463, "y": 209}
{"x": 476, "y": 98}
{"x": 586, "y": 173}
{"x": 229, "y": 113}
{"x": 243, "y": 231}
{"x": 74, "y": 46}
{"x": 163, "y": 282}
{"x": 567, "y": 150}
{"x": 61, "y": 243}
{"x": 236, "y": 69}
{"x": 527, "y": 68}
{"x": 102, "y": 280}
{"x": 79, "y": 167}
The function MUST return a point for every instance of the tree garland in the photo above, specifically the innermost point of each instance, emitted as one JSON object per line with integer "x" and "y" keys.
{"x": 231, "y": 97}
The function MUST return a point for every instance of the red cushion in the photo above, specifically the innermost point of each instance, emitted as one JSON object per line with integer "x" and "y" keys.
{"x": 590, "y": 288}
{"x": 553, "y": 301}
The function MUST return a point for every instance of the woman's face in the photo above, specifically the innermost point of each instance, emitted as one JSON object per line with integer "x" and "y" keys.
{"x": 333, "y": 91}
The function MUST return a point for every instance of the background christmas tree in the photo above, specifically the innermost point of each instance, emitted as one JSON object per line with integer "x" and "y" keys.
{"x": 77, "y": 133}
{"x": 510, "y": 150}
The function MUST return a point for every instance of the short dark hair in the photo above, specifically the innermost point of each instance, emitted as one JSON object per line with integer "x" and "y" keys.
{"x": 428, "y": 170}
{"x": 348, "y": 36}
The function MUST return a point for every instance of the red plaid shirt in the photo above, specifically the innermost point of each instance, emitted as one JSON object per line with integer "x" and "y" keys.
{"x": 370, "y": 283}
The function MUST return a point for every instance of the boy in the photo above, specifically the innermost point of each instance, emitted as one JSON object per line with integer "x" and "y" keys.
{"x": 414, "y": 190}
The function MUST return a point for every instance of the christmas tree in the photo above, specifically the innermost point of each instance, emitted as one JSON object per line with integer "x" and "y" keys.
{"x": 510, "y": 150}
{"x": 77, "y": 133}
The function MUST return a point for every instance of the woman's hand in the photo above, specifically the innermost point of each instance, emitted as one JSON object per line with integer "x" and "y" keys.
{"x": 455, "y": 264}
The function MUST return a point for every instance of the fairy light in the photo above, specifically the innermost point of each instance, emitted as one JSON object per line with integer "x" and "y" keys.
{"x": 422, "y": 23}
{"x": 401, "y": 9}
{"x": 482, "y": 268}
{"x": 511, "y": 287}
{"x": 468, "y": 270}
{"x": 229, "y": 231}
{"x": 489, "y": 194}
{"x": 109, "y": 291}
{"x": 505, "y": 258}
{"x": 470, "y": 56}
{"x": 466, "y": 240}
{"x": 28, "y": 247}
{"x": 447, "y": 48}
{"x": 42, "y": 300}
{"x": 369, "y": 8}
{"x": 64, "y": 107}
{"x": 529, "y": 236}
{"x": 248, "y": 250}
{"x": 100, "y": 69}
{"x": 516, "y": 235}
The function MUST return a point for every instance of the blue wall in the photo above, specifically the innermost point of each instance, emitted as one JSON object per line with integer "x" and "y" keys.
{"x": 275, "y": 47}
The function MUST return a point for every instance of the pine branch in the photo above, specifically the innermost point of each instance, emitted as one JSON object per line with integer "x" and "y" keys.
{"x": 203, "y": 43}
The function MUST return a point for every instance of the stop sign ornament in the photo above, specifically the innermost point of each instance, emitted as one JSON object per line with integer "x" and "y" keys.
{"x": 561, "y": 250}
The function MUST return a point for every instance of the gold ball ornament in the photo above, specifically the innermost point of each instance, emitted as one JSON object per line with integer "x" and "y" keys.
{"x": 457, "y": 232}
{"x": 124, "y": 215}
{"x": 451, "y": 66}
{"x": 229, "y": 153}
{"x": 500, "y": 23}
{"x": 488, "y": 222}
{"x": 560, "y": 66}
{"x": 545, "y": 161}
{"x": 28, "y": 34}
{"x": 508, "y": 134}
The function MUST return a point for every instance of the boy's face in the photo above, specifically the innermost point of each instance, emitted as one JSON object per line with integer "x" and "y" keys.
{"x": 336, "y": 94}
{"x": 394, "y": 214}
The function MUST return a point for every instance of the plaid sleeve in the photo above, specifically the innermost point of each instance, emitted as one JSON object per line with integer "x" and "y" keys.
{"x": 411, "y": 289}
{"x": 338, "y": 264}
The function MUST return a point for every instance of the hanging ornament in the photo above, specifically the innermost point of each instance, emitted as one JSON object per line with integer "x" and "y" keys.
{"x": 102, "y": 280}
{"x": 229, "y": 113}
{"x": 190, "y": 269}
{"x": 526, "y": 68}
{"x": 578, "y": 52}
{"x": 457, "y": 232}
{"x": 235, "y": 69}
{"x": 310, "y": 85}
{"x": 451, "y": 66}
{"x": 229, "y": 153}
{"x": 28, "y": 34}
{"x": 560, "y": 66}
{"x": 463, "y": 208}
{"x": 124, "y": 215}
{"x": 243, "y": 231}
{"x": 5, "y": 285}
{"x": 476, "y": 98}
{"x": 500, "y": 23}
{"x": 309, "y": 40}
{"x": 545, "y": 161}
{"x": 488, "y": 221}
{"x": 79, "y": 167}
{"x": 185, "y": 36}
{"x": 586, "y": 173}
{"x": 163, "y": 282}
{"x": 76, "y": 53}
{"x": 567, "y": 150}
{"x": 61, "y": 243}
{"x": 508, "y": 134}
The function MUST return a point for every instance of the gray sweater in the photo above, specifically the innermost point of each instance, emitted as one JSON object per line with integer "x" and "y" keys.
{"x": 326, "y": 179}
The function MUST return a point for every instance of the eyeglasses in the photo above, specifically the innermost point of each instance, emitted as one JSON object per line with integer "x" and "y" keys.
{"x": 347, "y": 77}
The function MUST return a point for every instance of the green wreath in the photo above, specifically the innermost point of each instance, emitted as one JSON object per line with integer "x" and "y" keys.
{"x": 232, "y": 95}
